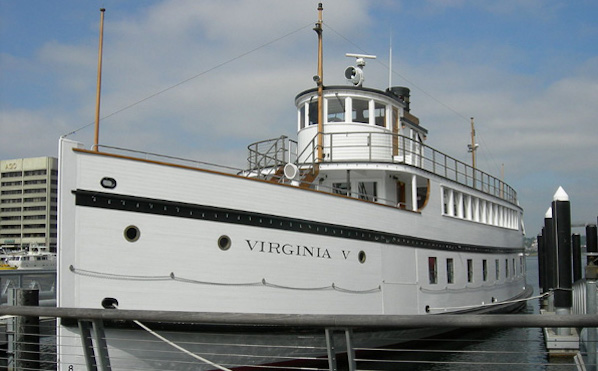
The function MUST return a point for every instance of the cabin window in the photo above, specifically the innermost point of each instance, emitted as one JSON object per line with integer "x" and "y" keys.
{"x": 368, "y": 191}
{"x": 469, "y": 270}
{"x": 313, "y": 112}
{"x": 336, "y": 109}
{"x": 450, "y": 270}
{"x": 497, "y": 268}
{"x": 302, "y": 117}
{"x": 360, "y": 111}
{"x": 484, "y": 270}
{"x": 380, "y": 114}
{"x": 432, "y": 270}
{"x": 340, "y": 189}
{"x": 506, "y": 268}
{"x": 521, "y": 265}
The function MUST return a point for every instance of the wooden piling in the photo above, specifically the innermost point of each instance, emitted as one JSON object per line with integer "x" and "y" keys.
{"x": 26, "y": 336}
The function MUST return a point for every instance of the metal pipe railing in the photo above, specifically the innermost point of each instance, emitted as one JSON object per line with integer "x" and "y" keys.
{"x": 311, "y": 320}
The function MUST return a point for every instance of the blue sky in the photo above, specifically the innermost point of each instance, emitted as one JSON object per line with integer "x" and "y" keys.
{"x": 526, "y": 70}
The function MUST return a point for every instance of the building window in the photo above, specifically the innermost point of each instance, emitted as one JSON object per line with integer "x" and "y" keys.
{"x": 450, "y": 271}
{"x": 432, "y": 270}
{"x": 469, "y": 270}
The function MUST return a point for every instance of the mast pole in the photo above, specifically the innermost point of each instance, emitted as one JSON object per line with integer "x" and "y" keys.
{"x": 473, "y": 146}
{"x": 320, "y": 82}
{"x": 99, "y": 83}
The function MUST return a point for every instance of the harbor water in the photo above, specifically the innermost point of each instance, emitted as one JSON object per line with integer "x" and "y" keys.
{"x": 491, "y": 350}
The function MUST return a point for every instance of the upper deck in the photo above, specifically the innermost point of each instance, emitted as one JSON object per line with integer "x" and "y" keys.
{"x": 363, "y": 125}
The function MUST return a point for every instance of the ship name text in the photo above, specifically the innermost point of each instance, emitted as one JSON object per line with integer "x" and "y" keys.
{"x": 291, "y": 249}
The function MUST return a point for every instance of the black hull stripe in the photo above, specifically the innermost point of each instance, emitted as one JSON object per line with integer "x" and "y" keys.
{"x": 223, "y": 215}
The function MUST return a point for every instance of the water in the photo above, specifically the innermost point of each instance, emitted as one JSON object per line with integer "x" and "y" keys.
{"x": 490, "y": 350}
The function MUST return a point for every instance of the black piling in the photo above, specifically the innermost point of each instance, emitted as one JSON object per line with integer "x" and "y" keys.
{"x": 561, "y": 217}
{"x": 550, "y": 253}
{"x": 591, "y": 243}
{"x": 541, "y": 263}
{"x": 577, "y": 267}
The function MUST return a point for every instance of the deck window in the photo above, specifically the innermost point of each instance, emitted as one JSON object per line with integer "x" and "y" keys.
{"x": 368, "y": 191}
{"x": 340, "y": 189}
{"x": 469, "y": 270}
{"x": 506, "y": 268}
{"x": 432, "y": 270}
{"x": 497, "y": 269}
{"x": 450, "y": 270}
{"x": 484, "y": 270}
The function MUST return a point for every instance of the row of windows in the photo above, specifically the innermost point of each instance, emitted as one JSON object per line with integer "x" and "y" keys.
{"x": 27, "y": 182}
{"x": 468, "y": 207}
{"x": 510, "y": 270}
{"x": 15, "y": 174}
{"x": 25, "y": 235}
{"x": 365, "y": 190}
{"x": 20, "y": 191}
{"x": 27, "y": 208}
{"x": 344, "y": 109}
{"x": 27, "y": 200}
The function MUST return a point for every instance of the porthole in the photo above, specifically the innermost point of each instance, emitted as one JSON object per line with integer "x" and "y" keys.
{"x": 132, "y": 233}
{"x": 361, "y": 256}
{"x": 224, "y": 242}
{"x": 109, "y": 303}
{"x": 107, "y": 182}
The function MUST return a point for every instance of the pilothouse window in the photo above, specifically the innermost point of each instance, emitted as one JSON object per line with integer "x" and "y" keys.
{"x": 360, "y": 111}
{"x": 313, "y": 112}
{"x": 336, "y": 109}
{"x": 380, "y": 114}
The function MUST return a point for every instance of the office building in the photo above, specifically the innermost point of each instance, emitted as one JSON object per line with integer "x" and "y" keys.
{"x": 28, "y": 202}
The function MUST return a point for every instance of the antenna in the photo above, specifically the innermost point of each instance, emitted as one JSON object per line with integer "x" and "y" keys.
{"x": 355, "y": 74}
{"x": 390, "y": 62}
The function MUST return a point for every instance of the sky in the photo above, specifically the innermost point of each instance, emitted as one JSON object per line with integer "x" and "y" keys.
{"x": 202, "y": 79}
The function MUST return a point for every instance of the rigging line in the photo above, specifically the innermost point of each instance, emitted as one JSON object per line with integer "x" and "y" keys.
{"x": 180, "y": 347}
{"x": 195, "y": 76}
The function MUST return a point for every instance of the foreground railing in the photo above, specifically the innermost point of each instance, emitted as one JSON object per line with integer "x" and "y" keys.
{"x": 333, "y": 329}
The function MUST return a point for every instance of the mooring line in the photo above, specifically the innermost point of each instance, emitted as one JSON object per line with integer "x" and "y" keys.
{"x": 180, "y": 347}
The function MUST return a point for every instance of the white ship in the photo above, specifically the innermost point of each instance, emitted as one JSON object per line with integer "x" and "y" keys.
{"x": 32, "y": 257}
{"x": 357, "y": 216}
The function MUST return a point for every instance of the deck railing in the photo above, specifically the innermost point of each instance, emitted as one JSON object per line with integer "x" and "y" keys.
{"x": 271, "y": 154}
{"x": 392, "y": 148}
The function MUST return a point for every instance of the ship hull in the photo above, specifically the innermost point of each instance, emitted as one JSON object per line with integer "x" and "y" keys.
{"x": 157, "y": 236}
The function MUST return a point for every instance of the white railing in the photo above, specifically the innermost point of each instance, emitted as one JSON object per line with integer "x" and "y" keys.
{"x": 392, "y": 148}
